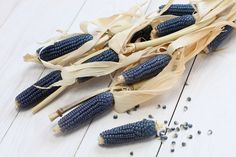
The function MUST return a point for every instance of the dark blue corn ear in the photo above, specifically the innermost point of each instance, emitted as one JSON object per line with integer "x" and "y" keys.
{"x": 146, "y": 70}
{"x": 33, "y": 95}
{"x": 144, "y": 34}
{"x": 179, "y": 9}
{"x": 129, "y": 133}
{"x": 220, "y": 38}
{"x": 63, "y": 47}
{"x": 107, "y": 55}
{"x": 86, "y": 111}
{"x": 174, "y": 25}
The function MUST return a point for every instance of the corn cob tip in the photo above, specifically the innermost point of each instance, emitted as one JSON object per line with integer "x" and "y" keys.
{"x": 159, "y": 125}
{"x": 17, "y": 105}
{"x": 101, "y": 140}
{"x": 120, "y": 79}
{"x": 53, "y": 116}
{"x": 57, "y": 129}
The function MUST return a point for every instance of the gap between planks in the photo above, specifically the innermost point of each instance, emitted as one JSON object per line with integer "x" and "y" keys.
{"x": 148, "y": 7}
{"x": 180, "y": 95}
{"x": 43, "y": 70}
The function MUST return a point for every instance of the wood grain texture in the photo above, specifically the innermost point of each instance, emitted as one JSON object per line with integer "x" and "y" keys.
{"x": 31, "y": 21}
{"x": 212, "y": 89}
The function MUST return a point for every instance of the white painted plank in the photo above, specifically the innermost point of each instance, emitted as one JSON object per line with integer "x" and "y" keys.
{"x": 31, "y": 21}
{"x": 90, "y": 147}
{"x": 6, "y": 8}
{"x": 212, "y": 89}
{"x": 44, "y": 142}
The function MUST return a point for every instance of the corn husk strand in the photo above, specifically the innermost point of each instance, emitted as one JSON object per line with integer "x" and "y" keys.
{"x": 204, "y": 17}
{"x": 52, "y": 92}
{"x": 183, "y": 49}
{"x": 106, "y": 28}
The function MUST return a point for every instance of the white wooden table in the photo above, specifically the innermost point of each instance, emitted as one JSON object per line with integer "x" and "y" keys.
{"x": 210, "y": 79}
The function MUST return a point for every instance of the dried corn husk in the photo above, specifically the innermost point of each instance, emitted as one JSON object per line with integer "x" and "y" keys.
{"x": 106, "y": 28}
{"x": 183, "y": 46}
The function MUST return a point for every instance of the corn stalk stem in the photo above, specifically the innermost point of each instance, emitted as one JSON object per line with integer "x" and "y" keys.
{"x": 155, "y": 42}
{"x": 46, "y": 101}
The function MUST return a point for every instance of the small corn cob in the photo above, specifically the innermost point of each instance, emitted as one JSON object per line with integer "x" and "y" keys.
{"x": 179, "y": 9}
{"x": 107, "y": 55}
{"x": 220, "y": 38}
{"x": 129, "y": 133}
{"x": 63, "y": 47}
{"x": 144, "y": 34}
{"x": 86, "y": 111}
{"x": 146, "y": 70}
{"x": 174, "y": 25}
{"x": 34, "y": 95}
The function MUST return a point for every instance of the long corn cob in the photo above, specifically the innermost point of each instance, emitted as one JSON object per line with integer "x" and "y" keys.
{"x": 179, "y": 9}
{"x": 220, "y": 38}
{"x": 34, "y": 95}
{"x": 174, "y": 25}
{"x": 86, "y": 111}
{"x": 63, "y": 47}
{"x": 129, "y": 133}
{"x": 144, "y": 34}
{"x": 146, "y": 70}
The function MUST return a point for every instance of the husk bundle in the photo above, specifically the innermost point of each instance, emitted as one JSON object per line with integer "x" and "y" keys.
{"x": 212, "y": 16}
{"x": 105, "y": 29}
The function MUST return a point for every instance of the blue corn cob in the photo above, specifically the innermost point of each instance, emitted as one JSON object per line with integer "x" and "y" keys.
{"x": 220, "y": 38}
{"x": 129, "y": 133}
{"x": 144, "y": 34}
{"x": 86, "y": 111}
{"x": 63, "y": 47}
{"x": 146, "y": 70}
{"x": 107, "y": 55}
{"x": 174, "y": 25}
{"x": 179, "y": 9}
{"x": 34, "y": 95}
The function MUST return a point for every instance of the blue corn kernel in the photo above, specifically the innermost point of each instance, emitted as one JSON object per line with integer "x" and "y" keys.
{"x": 146, "y": 70}
{"x": 86, "y": 111}
{"x": 129, "y": 133}
{"x": 33, "y": 95}
{"x": 174, "y": 25}
{"x": 63, "y": 47}
{"x": 144, "y": 34}
{"x": 179, "y": 9}
{"x": 220, "y": 38}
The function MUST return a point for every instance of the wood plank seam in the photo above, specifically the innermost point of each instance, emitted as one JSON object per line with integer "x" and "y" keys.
{"x": 40, "y": 75}
{"x": 10, "y": 13}
{"x": 177, "y": 103}
{"x": 17, "y": 113}
{"x": 107, "y": 86}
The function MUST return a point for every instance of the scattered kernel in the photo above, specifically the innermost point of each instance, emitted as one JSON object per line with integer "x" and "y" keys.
{"x": 115, "y": 117}
{"x": 165, "y": 122}
{"x": 176, "y": 123}
{"x": 185, "y": 108}
{"x": 172, "y": 150}
{"x": 175, "y": 135}
{"x": 209, "y": 132}
{"x": 199, "y": 132}
{"x": 131, "y": 153}
{"x": 183, "y": 144}
{"x": 150, "y": 116}
{"x": 164, "y": 107}
{"x": 173, "y": 142}
{"x": 189, "y": 99}
{"x": 190, "y": 137}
